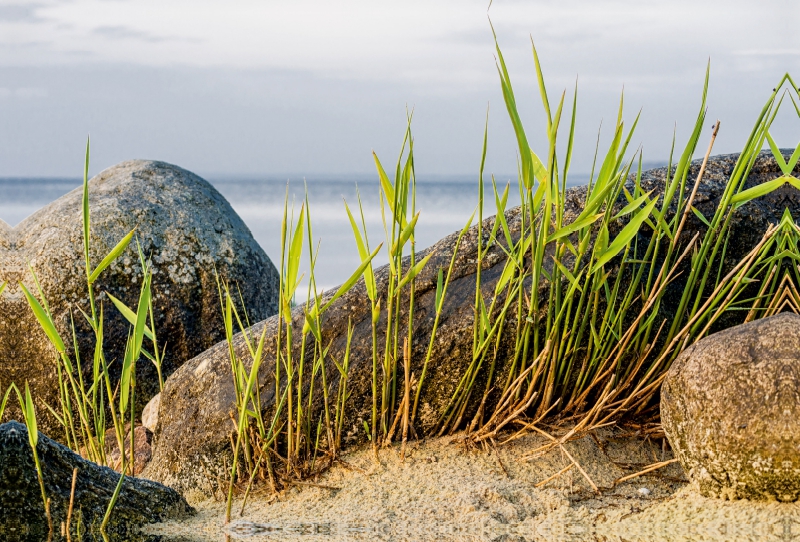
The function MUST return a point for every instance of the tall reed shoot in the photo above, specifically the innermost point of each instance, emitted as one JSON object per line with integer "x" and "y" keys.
{"x": 82, "y": 411}
{"x": 295, "y": 435}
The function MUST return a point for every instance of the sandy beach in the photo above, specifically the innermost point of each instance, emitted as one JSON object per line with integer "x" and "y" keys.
{"x": 444, "y": 490}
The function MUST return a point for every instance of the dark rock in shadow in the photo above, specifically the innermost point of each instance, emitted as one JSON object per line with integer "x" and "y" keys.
{"x": 22, "y": 512}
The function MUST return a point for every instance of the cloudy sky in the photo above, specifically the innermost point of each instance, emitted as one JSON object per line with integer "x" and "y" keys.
{"x": 310, "y": 87}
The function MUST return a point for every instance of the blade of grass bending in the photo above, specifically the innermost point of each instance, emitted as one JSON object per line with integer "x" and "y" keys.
{"x": 128, "y": 314}
{"x": 633, "y": 205}
{"x": 44, "y": 319}
{"x": 573, "y": 227}
{"x": 113, "y": 255}
{"x": 386, "y": 185}
{"x": 624, "y": 237}
{"x": 763, "y": 189}
{"x": 363, "y": 253}
{"x": 414, "y": 271}
{"x": 11, "y": 387}
{"x": 349, "y": 283}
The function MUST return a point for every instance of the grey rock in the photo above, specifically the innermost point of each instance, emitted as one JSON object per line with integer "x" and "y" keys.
{"x": 140, "y": 501}
{"x": 192, "y": 438}
{"x": 186, "y": 227}
{"x": 730, "y": 406}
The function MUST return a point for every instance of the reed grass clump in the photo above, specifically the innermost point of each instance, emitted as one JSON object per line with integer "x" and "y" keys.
{"x": 89, "y": 399}
{"x": 576, "y": 328}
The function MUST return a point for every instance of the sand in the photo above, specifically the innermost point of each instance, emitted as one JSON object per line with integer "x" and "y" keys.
{"x": 444, "y": 490}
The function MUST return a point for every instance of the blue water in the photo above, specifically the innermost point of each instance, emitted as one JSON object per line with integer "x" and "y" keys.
{"x": 445, "y": 205}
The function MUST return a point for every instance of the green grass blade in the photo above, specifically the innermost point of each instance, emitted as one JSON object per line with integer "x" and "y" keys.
{"x": 113, "y": 255}
{"x": 30, "y": 417}
{"x": 573, "y": 227}
{"x": 86, "y": 217}
{"x": 44, "y": 320}
{"x": 128, "y": 314}
{"x": 349, "y": 283}
{"x": 141, "y": 316}
{"x": 624, "y": 237}
{"x": 414, "y": 271}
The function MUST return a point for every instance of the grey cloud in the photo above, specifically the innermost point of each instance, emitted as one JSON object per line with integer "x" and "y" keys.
{"x": 126, "y": 32}
{"x": 25, "y": 45}
{"x": 20, "y": 13}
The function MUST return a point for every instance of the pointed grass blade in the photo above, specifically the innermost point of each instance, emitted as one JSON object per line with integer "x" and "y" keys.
{"x": 44, "y": 319}
{"x": 113, "y": 255}
{"x": 625, "y": 236}
{"x": 128, "y": 314}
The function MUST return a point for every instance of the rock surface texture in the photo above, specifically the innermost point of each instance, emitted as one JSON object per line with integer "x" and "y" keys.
{"x": 192, "y": 438}
{"x": 21, "y": 507}
{"x": 183, "y": 224}
{"x": 730, "y": 406}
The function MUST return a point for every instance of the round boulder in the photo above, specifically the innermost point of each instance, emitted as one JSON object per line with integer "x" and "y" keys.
{"x": 730, "y": 406}
{"x": 183, "y": 225}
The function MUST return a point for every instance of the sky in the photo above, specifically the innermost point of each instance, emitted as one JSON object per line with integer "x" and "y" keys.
{"x": 312, "y": 87}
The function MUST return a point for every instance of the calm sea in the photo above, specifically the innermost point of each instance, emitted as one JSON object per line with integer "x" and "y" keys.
{"x": 445, "y": 204}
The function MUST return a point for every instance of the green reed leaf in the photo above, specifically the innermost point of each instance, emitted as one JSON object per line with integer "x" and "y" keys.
{"x": 128, "y": 314}
{"x": 405, "y": 235}
{"x": 414, "y": 271}
{"x": 295, "y": 252}
{"x": 141, "y": 316}
{"x": 776, "y": 153}
{"x": 85, "y": 202}
{"x": 349, "y": 283}
{"x": 699, "y": 215}
{"x": 126, "y": 376}
{"x": 625, "y": 236}
{"x": 45, "y": 321}
{"x": 763, "y": 189}
{"x": 30, "y": 417}
{"x": 386, "y": 184}
{"x": 113, "y": 255}
{"x": 573, "y": 227}
{"x": 439, "y": 289}
{"x": 633, "y": 205}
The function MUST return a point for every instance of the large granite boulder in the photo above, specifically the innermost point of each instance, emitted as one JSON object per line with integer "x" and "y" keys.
{"x": 730, "y": 406}
{"x": 22, "y": 508}
{"x": 186, "y": 227}
{"x": 192, "y": 438}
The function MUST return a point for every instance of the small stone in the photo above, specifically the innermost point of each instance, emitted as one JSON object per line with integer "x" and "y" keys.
{"x": 142, "y": 448}
{"x": 643, "y": 491}
{"x": 730, "y": 407}
{"x": 150, "y": 413}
